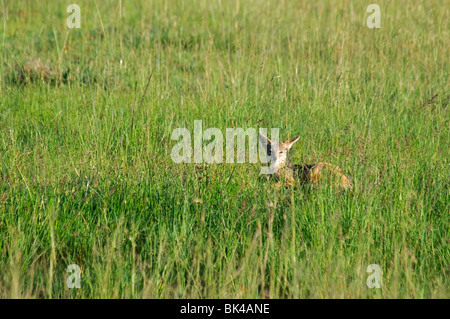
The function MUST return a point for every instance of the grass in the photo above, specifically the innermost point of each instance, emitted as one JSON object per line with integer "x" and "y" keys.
{"x": 86, "y": 175}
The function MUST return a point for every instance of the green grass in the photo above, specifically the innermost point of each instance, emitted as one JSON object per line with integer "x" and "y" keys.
{"x": 86, "y": 175}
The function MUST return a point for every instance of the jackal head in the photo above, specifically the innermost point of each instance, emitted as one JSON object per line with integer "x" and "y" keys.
{"x": 277, "y": 151}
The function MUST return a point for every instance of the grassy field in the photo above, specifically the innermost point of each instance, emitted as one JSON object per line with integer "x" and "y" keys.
{"x": 86, "y": 175}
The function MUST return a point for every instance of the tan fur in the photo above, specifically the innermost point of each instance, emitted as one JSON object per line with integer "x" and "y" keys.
{"x": 305, "y": 174}
{"x": 319, "y": 172}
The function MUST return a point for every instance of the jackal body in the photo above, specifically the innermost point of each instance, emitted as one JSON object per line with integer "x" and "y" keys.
{"x": 304, "y": 173}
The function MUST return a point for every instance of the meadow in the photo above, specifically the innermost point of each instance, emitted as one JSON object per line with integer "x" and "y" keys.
{"x": 87, "y": 178}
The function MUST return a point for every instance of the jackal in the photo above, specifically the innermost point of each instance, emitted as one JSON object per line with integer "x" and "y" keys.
{"x": 303, "y": 173}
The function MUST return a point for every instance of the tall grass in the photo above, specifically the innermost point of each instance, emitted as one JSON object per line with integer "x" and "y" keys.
{"x": 86, "y": 175}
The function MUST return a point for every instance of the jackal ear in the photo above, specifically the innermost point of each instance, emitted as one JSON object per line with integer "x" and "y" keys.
{"x": 264, "y": 140}
{"x": 291, "y": 141}
{"x": 266, "y": 143}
